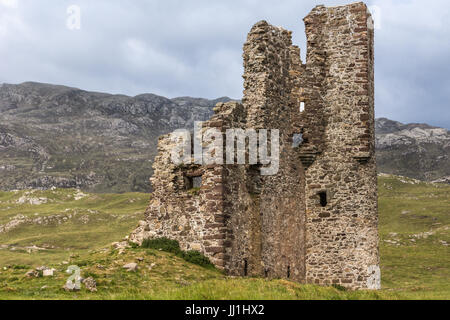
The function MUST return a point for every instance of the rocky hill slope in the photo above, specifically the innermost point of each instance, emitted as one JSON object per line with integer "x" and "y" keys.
{"x": 66, "y": 137}
{"x": 414, "y": 150}
{"x": 70, "y": 138}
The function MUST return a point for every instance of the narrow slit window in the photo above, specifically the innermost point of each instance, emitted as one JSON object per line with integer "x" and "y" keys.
{"x": 323, "y": 199}
{"x": 192, "y": 144}
{"x": 245, "y": 267}
{"x": 288, "y": 272}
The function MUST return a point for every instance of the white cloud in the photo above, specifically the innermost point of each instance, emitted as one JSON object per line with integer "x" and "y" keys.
{"x": 10, "y": 20}
{"x": 141, "y": 56}
{"x": 9, "y": 3}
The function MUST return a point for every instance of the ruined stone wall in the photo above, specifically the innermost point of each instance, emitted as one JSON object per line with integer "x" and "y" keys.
{"x": 193, "y": 216}
{"x": 342, "y": 236}
{"x": 315, "y": 220}
{"x": 278, "y": 205}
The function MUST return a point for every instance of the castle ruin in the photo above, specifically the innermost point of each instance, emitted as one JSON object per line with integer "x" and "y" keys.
{"x": 316, "y": 220}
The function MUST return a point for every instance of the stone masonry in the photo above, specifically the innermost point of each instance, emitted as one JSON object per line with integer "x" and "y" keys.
{"x": 316, "y": 220}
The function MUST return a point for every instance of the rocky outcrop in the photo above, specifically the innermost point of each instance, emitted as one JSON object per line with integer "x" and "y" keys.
{"x": 418, "y": 151}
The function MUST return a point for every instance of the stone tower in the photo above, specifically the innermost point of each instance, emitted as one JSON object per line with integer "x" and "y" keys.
{"x": 315, "y": 220}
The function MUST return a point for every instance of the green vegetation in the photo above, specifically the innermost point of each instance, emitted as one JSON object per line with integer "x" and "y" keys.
{"x": 173, "y": 246}
{"x": 66, "y": 222}
{"x": 194, "y": 191}
{"x": 163, "y": 244}
{"x": 414, "y": 237}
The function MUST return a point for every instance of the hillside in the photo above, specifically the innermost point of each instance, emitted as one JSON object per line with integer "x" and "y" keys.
{"x": 70, "y": 138}
{"x": 414, "y": 150}
{"x": 62, "y": 227}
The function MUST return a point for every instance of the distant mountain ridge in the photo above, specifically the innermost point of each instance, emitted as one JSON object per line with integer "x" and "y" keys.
{"x": 52, "y": 135}
{"x": 414, "y": 150}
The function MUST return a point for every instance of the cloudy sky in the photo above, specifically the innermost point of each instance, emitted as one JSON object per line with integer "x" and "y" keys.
{"x": 194, "y": 47}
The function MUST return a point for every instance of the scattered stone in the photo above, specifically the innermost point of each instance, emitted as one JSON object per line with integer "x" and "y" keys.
{"x": 65, "y": 262}
{"x": 32, "y": 274}
{"x": 70, "y": 287}
{"x": 423, "y": 235}
{"x": 121, "y": 245}
{"x": 44, "y": 287}
{"x": 139, "y": 259}
{"x": 131, "y": 267}
{"x": 79, "y": 195}
{"x": 182, "y": 282}
{"x": 99, "y": 266}
{"x": 90, "y": 284}
{"x": 142, "y": 223}
{"x": 393, "y": 242}
{"x": 393, "y": 234}
{"x": 48, "y": 272}
{"x": 31, "y": 200}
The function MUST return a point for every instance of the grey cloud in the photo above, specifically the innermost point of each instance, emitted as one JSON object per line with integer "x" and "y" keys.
{"x": 176, "y": 48}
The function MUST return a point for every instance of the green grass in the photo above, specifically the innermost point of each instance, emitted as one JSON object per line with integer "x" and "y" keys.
{"x": 169, "y": 278}
{"x": 415, "y": 262}
{"x": 93, "y": 221}
{"x": 414, "y": 226}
